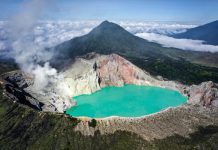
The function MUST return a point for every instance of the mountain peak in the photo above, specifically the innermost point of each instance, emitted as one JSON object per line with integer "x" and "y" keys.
{"x": 108, "y": 28}
{"x": 106, "y": 22}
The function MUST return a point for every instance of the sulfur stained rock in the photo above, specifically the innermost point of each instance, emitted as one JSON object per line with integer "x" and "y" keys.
{"x": 116, "y": 71}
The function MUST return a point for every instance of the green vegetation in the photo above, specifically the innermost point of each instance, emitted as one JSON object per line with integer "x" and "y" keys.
{"x": 7, "y": 65}
{"x": 179, "y": 70}
{"x": 92, "y": 123}
{"x": 204, "y": 138}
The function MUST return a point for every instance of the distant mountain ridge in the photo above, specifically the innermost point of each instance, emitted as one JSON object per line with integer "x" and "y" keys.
{"x": 207, "y": 33}
{"x": 110, "y": 38}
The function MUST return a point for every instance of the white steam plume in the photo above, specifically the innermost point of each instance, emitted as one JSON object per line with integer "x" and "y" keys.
{"x": 26, "y": 52}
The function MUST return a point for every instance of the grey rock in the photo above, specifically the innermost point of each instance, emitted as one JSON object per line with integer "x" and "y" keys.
{"x": 205, "y": 94}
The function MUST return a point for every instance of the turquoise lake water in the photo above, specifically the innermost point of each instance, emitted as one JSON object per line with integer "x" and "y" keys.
{"x": 126, "y": 101}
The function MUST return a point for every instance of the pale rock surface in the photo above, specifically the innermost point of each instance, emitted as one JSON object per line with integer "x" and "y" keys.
{"x": 206, "y": 94}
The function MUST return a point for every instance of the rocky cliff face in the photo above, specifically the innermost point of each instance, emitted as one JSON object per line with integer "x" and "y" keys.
{"x": 19, "y": 88}
{"x": 205, "y": 94}
{"x": 91, "y": 73}
{"x": 15, "y": 86}
{"x": 116, "y": 71}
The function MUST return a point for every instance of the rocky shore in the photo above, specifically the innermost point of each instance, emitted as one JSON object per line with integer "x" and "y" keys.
{"x": 181, "y": 121}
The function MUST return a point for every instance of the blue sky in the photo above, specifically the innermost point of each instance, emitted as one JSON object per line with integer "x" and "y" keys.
{"x": 147, "y": 10}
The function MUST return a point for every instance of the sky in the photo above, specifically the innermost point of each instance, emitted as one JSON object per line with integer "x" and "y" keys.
{"x": 66, "y": 19}
{"x": 198, "y": 11}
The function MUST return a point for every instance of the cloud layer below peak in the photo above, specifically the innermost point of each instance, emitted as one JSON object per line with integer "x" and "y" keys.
{"x": 184, "y": 44}
{"x": 51, "y": 33}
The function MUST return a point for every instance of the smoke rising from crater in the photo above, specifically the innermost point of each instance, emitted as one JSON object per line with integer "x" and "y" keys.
{"x": 32, "y": 58}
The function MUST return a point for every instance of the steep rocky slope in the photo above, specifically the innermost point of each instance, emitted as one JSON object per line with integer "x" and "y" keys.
{"x": 19, "y": 87}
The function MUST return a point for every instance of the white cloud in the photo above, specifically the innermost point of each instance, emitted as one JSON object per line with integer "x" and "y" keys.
{"x": 2, "y": 46}
{"x": 51, "y": 33}
{"x": 184, "y": 44}
{"x": 155, "y": 27}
